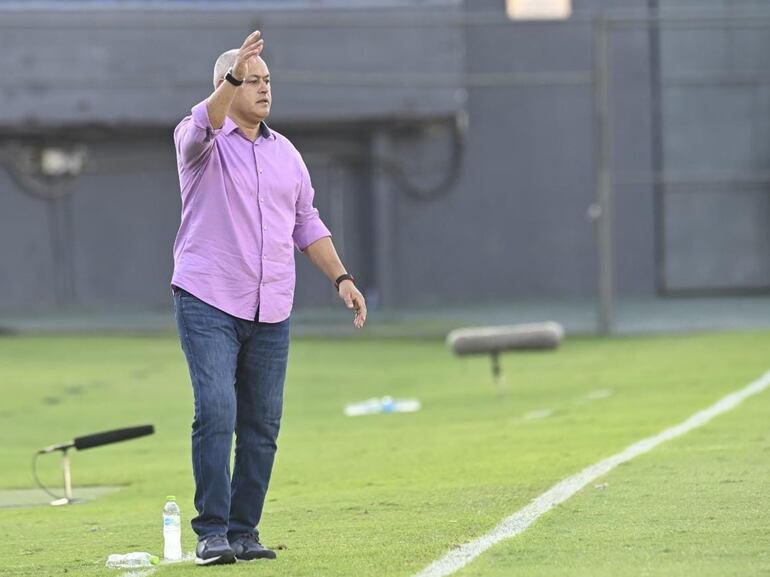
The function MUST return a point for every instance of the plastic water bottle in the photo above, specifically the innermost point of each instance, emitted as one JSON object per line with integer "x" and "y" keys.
{"x": 172, "y": 530}
{"x": 130, "y": 560}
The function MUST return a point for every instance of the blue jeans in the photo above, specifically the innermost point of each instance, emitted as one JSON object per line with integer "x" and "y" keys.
{"x": 237, "y": 369}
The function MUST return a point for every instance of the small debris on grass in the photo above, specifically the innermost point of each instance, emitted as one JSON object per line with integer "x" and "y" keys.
{"x": 538, "y": 414}
{"x": 601, "y": 486}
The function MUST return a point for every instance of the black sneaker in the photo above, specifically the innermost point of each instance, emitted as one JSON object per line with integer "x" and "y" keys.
{"x": 247, "y": 548}
{"x": 214, "y": 550}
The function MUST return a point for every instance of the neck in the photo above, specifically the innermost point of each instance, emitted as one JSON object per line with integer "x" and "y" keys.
{"x": 249, "y": 127}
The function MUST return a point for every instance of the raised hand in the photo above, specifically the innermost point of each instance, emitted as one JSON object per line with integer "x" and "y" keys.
{"x": 251, "y": 47}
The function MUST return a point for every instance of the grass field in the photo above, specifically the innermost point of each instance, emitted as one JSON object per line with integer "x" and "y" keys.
{"x": 385, "y": 495}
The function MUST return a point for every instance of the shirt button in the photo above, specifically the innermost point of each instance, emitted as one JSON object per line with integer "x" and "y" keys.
{"x": 261, "y": 200}
{"x": 260, "y": 171}
{"x": 264, "y": 227}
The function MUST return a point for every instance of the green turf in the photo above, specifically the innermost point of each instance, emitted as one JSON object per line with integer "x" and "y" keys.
{"x": 385, "y": 495}
{"x": 695, "y": 506}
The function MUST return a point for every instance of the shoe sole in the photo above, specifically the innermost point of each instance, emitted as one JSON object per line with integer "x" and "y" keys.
{"x": 219, "y": 560}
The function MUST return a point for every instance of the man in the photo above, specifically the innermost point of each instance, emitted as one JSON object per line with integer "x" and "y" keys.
{"x": 246, "y": 202}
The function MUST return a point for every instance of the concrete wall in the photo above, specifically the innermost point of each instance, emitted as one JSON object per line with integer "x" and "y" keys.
{"x": 371, "y": 96}
{"x": 715, "y": 134}
{"x": 122, "y": 67}
{"x": 514, "y": 225}
{"x": 337, "y": 71}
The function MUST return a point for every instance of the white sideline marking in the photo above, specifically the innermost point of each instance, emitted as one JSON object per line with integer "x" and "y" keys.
{"x": 521, "y": 520}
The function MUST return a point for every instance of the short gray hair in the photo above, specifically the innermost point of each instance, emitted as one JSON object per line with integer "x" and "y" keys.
{"x": 225, "y": 61}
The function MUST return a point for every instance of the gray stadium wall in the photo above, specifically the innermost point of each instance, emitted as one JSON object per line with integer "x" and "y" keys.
{"x": 371, "y": 103}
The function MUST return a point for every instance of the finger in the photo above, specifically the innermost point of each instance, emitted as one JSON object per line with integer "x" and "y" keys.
{"x": 254, "y": 49}
{"x": 251, "y": 46}
{"x": 249, "y": 54}
{"x": 360, "y": 301}
{"x": 252, "y": 37}
{"x": 360, "y": 319}
{"x": 348, "y": 300}
{"x": 360, "y": 309}
{"x": 245, "y": 57}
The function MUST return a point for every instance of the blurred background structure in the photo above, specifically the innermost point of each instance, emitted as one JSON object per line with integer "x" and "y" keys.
{"x": 605, "y": 170}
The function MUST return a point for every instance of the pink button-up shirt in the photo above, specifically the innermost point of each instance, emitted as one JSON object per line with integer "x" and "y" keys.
{"x": 245, "y": 206}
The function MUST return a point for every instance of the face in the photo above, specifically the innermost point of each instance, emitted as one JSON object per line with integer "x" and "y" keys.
{"x": 253, "y": 99}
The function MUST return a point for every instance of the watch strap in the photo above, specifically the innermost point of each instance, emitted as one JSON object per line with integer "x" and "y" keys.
{"x": 341, "y": 278}
{"x": 232, "y": 79}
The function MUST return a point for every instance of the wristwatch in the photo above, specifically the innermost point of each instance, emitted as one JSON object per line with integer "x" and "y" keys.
{"x": 341, "y": 278}
{"x": 232, "y": 79}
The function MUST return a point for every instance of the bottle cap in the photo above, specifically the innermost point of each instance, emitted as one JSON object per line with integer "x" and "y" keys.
{"x": 170, "y": 498}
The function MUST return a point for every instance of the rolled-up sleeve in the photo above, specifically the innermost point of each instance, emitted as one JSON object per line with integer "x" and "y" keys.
{"x": 195, "y": 136}
{"x": 308, "y": 226}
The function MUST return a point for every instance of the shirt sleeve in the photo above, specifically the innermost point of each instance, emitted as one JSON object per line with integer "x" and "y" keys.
{"x": 308, "y": 226}
{"x": 194, "y": 136}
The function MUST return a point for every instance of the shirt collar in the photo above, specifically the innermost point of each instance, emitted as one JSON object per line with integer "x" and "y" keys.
{"x": 264, "y": 129}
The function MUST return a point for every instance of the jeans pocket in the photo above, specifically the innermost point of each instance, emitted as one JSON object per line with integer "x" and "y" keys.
{"x": 182, "y": 294}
